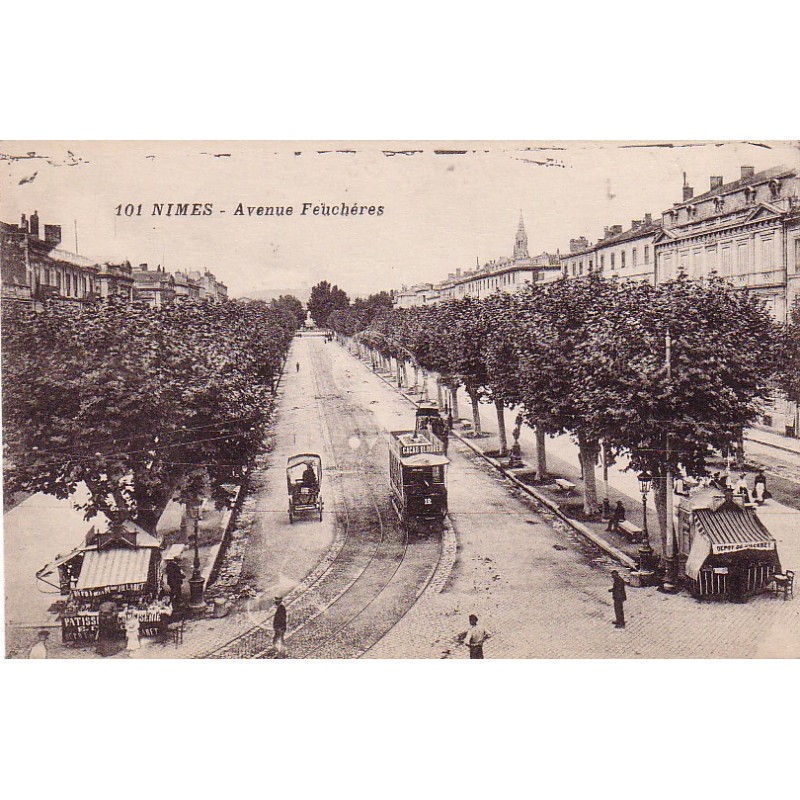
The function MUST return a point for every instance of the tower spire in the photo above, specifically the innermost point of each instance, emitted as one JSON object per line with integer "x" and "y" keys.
{"x": 521, "y": 240}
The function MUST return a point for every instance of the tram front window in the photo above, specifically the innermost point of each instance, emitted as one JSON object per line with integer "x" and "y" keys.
{"x": 420, "y": 478}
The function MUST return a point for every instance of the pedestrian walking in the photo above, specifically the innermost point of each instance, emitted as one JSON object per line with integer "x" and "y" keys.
{"x": 279, "y": 628}
{"x": 39, "y": 650}
{"x": 619, "y": 597}
{"x": 132, "y": 625}
{"x": 297, "y": 367}
{"x": 760, "y": 487}
{"x": 175, "y": 577}
{"x": 617, "y": 516}
{"x": 475, "y": 637}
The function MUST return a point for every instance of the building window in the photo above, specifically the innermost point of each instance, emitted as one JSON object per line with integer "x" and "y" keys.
{"x": 613, "y": 265}
{"x": 622, "y": 260}
{"x": 726, "y": 260}
{"x": 592, "y": 265}
{"x": 797, "y": 255}
{"x": 633, "y": 257}
{"x": 741, "y": 257}
{"x": 647, "y": 254}
{"x": 766, "y": 253}
{"x": 602, "y": 262}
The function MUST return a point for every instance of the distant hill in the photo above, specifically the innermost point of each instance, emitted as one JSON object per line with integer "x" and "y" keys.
{"x": 301, "y": 293}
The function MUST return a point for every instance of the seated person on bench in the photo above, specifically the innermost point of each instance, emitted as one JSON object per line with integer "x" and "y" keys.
{"x": 617, "y": 516}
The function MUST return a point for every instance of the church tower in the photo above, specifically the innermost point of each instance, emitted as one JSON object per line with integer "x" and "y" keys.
{"x": 521, "y": 242}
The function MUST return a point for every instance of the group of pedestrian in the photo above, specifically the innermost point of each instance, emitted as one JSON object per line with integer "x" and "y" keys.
{"x": 721, "y": 481}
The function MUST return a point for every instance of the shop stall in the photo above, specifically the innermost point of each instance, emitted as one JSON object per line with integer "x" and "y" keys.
{"x": 113, "y": 578}
{"x": 729, "y": 554}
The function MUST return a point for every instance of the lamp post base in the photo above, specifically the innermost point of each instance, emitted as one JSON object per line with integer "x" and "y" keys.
{"x": 196, "y": 586}
{"x": 646, "y": 572}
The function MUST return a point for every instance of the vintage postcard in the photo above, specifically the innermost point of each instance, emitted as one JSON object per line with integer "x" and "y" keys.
{"x": 383, "y": 400}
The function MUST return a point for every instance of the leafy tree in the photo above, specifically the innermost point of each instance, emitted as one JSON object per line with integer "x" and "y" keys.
{"x": 788, "y": 356}
{"x": 136, "y": 401}
{"x": 291, "y": 304}
{"x": 325, "y": 299}
{"x": 562, "y": 389}
{"x": 672, "y": 414}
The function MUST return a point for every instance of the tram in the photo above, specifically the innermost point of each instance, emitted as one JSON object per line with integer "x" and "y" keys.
{"x": 429, "y": 418}
{"x": 418, "y": 478}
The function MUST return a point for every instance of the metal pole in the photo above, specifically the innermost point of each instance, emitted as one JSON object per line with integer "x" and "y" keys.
{"x": 196, "y": 581}
{"x": 670, "y": 556}
{"x": 645, "y": 551}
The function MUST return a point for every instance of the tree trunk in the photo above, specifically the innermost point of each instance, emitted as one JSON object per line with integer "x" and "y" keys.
{"x": 454, "y": 401}
{"x": 501, "y": 428}
{"x": 405, "y": 372}
{"x": 588, "y": 457}
{"x": 541, "y": 453}
{"x": 424, "y": 384}
{"x": 398, "y": 373}
{"x": 476, "y": 412}
{"x": 660, "y": 499}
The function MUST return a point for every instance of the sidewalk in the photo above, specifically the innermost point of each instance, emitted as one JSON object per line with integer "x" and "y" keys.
{"x": 773, "y": 440}
{"x": 562, "y": 462}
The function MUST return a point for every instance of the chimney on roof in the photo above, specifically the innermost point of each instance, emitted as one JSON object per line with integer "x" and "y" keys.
{"x": 35, "y": 224}
{"x": 143, "y": 267}
{"x": 748, "y": 172}
{"x": 23, "y": 223}
{"x": 716, "y": 182}
{"x": 615, "y": 230}
{"x": 688, "y": 191}
{"x": 52, "y": 235}
{"x": 458, "y": 272}
{"x": 606, "y": 234}
{"x": 648, "y": 219}
{"x": 578, "y": 244}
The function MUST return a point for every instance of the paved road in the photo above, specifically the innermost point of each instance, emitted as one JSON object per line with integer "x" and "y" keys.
{"x": 544, "y": 592}
{"x": 374, "y": 573}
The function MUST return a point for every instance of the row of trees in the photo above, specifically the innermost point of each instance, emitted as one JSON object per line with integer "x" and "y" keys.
{"x": 665, "y": 374}
{"x": 139, "y": 402}
{"x": 330, "y": 307}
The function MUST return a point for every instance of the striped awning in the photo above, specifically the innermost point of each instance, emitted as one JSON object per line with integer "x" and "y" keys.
{"x": 731, "y": 528}
{"x": 118, "y": 569}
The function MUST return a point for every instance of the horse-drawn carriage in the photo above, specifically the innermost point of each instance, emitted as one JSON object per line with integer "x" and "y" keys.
{"x": 304, "y": 481}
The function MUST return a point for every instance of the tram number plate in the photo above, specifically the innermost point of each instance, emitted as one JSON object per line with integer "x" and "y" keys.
{"x": 428, "y": 501}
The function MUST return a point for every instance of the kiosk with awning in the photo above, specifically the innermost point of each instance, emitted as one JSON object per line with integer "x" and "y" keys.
{"x": 732, "y": 555}
{"x": 120, "y": 567}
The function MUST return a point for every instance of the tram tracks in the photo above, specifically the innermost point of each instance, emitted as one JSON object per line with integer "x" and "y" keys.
{"x": 372, "y": 574}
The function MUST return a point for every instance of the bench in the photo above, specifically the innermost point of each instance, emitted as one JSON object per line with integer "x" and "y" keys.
{"x": 565, "y": 485}
{"x": 633, "y": 532}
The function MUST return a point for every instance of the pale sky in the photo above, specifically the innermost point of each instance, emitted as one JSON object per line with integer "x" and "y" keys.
{"x": 441, "y": 211}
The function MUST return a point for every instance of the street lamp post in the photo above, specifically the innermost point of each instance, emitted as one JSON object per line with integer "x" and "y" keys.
{"x": 645, "y": 550}
{"x": 196, "y": 582}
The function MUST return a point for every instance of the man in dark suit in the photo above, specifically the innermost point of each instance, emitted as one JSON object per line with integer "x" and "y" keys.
{"x": 619, "y": 597}
{"x": 279, "y": 627}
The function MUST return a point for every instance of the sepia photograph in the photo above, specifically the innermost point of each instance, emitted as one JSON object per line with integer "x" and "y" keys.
{"x": 400, "y": 400}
